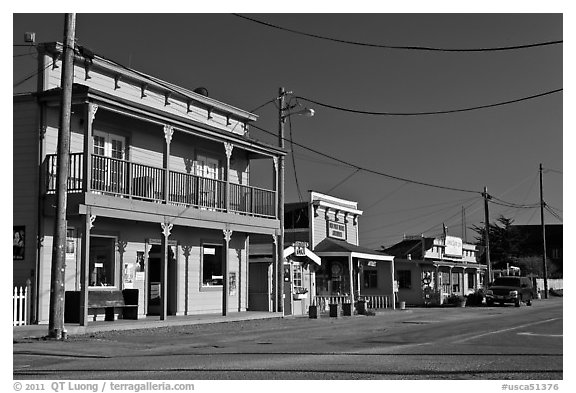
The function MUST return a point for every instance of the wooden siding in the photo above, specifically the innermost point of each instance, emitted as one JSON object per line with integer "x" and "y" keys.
{"x": 321, "y": 230}
{"x": 24, "y": 185}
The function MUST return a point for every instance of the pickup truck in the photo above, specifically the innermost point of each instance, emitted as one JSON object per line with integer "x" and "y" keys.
{"x": 510, "y": 289}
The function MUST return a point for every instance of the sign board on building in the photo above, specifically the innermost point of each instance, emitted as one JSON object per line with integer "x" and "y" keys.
{"x": 300, "y": 249}
{"x": 453, "y": 246}
{"x": 336, "y": 230}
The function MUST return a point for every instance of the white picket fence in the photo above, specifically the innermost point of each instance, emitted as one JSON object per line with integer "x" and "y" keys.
{"x": 374, "y": 302}
{"x": 21, "y": 305}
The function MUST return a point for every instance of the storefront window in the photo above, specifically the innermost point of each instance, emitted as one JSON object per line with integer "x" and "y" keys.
{"x": 471, "y": 280}
{"x": 212, "y": 265}
{"x": 297, "y": 275}
{"x": 404, "y": 279}
{"x": 102, "y": 261}
{"x": 370, "y": 279}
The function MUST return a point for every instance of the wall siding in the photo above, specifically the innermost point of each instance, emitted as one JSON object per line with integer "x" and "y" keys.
{"x": 24, "y": 191}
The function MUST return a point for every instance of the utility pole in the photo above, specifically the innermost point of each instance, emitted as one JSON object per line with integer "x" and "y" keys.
{"x": 56, "y": 317}
{"x": 280, "y": 245}
{"x": 545, "y": 269}
{"x": 487, "y": 236}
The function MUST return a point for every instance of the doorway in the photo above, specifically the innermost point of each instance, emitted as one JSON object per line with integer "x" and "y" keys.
{"x": 155, "y": 280}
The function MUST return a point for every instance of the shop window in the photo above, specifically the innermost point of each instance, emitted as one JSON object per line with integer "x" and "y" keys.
{"x": 297, "y": 275}
{"x": 471, "y": 280}
{"x": 212, "y": 265}
{"x": 102, "y": 261}
{"x": 404, "y": 279}
{"x": 455, "y": 282}
{"x": 370, "y": 278}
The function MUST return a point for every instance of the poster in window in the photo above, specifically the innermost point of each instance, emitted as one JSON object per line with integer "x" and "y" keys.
{"x": 70, "y": 244}
{"x": 18, "y": 242}
{"x": 232, "y": 283}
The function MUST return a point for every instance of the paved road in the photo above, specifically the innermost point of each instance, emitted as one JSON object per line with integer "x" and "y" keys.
{"x": 442, "y": 343}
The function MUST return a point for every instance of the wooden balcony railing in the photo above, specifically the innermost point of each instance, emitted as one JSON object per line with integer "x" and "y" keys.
{"x": 130, "y": 180}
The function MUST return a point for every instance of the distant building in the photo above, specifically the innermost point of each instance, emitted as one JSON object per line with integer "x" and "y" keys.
{"x": 324, "y": 258}
{"x": 429, "y": 269}
{"x": 160, "y": 197}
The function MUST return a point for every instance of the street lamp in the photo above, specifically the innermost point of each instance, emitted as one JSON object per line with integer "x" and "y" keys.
{"x": 283, "y": 114}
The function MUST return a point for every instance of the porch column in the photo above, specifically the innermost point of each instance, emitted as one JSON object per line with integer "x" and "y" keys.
{"x": 168, "y": 131}
{"x": 437, "y": 284}
{"x": 275, "y": 185}
{"x": 275, "y": 279}
{"x": 89, "y": 115}
{"x": 166, "y": 229}
{"x": 225, "y": 261}
{"x": 392, "y": 275}
{"x": 228, "y": 147}
{"x": 351, "y": 273}
{"x": 84, "y": 267}
{"x": 451, "y": 289}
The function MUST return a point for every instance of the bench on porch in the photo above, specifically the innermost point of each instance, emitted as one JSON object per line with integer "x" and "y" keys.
{"x": 109, "y": 300}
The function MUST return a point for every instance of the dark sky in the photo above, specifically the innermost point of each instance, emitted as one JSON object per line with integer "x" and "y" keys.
{"x": 244, "y": 63}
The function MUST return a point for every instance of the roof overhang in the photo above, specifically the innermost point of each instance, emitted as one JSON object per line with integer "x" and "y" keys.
{"x": 359, "y": 255}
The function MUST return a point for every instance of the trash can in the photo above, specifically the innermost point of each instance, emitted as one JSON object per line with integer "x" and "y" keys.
{"x": 313, "y": 312}
{"x": 334, "y": 310}
{"x": 347, "y": 309}
{"x": 402, "y": 305}
{"x": 361, "y": 307}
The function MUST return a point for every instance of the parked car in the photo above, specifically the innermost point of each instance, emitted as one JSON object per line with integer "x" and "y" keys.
{"x": 510, "y": 289}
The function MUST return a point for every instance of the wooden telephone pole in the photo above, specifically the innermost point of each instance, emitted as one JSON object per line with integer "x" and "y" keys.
{"x": 487, "y": 237}
{"x": 545, "y": 269}
{"x": 56, "y": 317}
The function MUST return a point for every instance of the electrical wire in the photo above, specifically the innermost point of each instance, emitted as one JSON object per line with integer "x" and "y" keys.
{"x": 386, "y": 196}
{"x": 363, "y": 112}
{"x": 553, "y": 170}
{"x": 385, "y": 46}
{"x": 342, "y": 181}
{"x": 35, "y": 73}
{"x": 371, "y": 170}
{"x": 294, "y": 160}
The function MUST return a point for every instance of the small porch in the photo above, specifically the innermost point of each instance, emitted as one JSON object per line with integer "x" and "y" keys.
{"x": 349, "y": 273}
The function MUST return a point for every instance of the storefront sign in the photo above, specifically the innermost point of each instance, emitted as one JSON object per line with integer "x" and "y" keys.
{"x": 453, "y": 246}
{"x": 300, "y": 249}
{"x": 336, "y": 230}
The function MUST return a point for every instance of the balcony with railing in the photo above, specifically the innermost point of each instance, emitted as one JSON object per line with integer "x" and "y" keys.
{"x": 125, "y": 179}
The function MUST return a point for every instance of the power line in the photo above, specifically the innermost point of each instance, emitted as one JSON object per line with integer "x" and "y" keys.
{"x": 363, "y": 112}
{"x": 35, "y": 73}
{"x": 294, "y": 160}
{"x": 553, "y": 170}
{"x": 371, "y": 170}
{"x": 343, "y": 181}
{"x": 385, "y": 46}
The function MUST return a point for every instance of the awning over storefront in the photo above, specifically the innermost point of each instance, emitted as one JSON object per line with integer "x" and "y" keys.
{"x": 333, "y": 247}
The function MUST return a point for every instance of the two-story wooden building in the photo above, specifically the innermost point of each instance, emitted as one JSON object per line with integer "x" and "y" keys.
{"x": 160, "y": 194}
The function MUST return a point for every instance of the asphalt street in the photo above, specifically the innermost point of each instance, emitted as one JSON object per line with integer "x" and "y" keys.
{"x": 482, "y": 343}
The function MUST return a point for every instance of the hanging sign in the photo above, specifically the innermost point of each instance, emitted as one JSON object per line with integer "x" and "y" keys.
{"x": 300, "y": 249}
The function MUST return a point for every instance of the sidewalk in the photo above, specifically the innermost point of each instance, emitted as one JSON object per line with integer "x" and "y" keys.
{"x": 40, "y": 331}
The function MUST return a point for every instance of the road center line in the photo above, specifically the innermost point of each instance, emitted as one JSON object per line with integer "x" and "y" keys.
{"x": 504, "y": 330}
{"x": 539, "y": 335}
